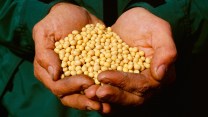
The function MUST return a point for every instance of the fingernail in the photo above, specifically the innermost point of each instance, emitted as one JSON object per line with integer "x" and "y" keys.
{"x": 50, "y": 71}
{"x": 160, "y": 71}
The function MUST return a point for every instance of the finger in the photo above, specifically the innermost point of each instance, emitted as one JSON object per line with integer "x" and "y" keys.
{"x": 164, "y": 55}
{"x": 64, "y": 86}
{"x": 106, "y": 108}
{"x": 111, "y": 94}
{"x": 42, "y": 75}
{"x": 70, "y": 85}
{"x": 44, "y": 54}
{"x": 80, "y": 102}
{"x": 90, "y": 92}
{"x": 50, "y": 62}
{"x": 131, "y": 82}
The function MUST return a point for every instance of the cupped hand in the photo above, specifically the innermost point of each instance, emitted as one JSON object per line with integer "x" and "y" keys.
{"x": 61, "y": 20}
{"x": 151, "y": 34}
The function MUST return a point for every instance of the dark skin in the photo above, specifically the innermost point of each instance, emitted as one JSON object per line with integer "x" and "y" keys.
{"x": 152, "y": 35}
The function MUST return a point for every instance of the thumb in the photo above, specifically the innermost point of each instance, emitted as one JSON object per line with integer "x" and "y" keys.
{"x": 164, "y": 56}
{"x": 45, "y": 55}
{"x": 52, "y": 65}
{"x": 49, "y": 60}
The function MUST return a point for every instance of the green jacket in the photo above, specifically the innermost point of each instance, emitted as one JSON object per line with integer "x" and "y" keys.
{"x": 21, "y": 94}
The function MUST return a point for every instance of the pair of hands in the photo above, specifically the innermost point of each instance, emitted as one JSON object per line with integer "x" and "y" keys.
{"x": 137, "y": 27}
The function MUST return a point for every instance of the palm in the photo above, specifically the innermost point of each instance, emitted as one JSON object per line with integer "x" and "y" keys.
{"x": 62, "y": 19}
{"x": 139, "y": 28}
{"x": 142, "y": 30}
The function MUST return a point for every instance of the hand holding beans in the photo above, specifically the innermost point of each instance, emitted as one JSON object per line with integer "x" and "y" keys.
{"x": 121, "y": 82}
{"x": 139, "y": 28}
{"x": 61, "y": 20}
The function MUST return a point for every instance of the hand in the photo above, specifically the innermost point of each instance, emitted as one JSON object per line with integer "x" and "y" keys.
{"x": 61, "y": 20}
{"x": 139, "y": 28}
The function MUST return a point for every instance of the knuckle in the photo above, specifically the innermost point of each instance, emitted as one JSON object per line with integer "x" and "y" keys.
{"x": 127, "y": 77}
{"x": 63, "y": 101}
{"x": 106, "y": 93}
{"x": 38, "y": 58}
{"x": 36, "y": 69}
{"x": 173, "y": 53}
{"x": 55, "y": 91}
{"x": 35, "y": 30}
{"x": 36, "y": 73}
{"x": 145, "y": 87}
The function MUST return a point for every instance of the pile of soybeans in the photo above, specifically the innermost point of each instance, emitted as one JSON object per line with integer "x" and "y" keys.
{"x": 97, "y": 48}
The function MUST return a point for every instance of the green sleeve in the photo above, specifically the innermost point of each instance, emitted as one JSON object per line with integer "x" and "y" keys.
{"x": 17, "y": 20}
{"x": 199, "y": 23}
{"x": 188, "y": 19}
